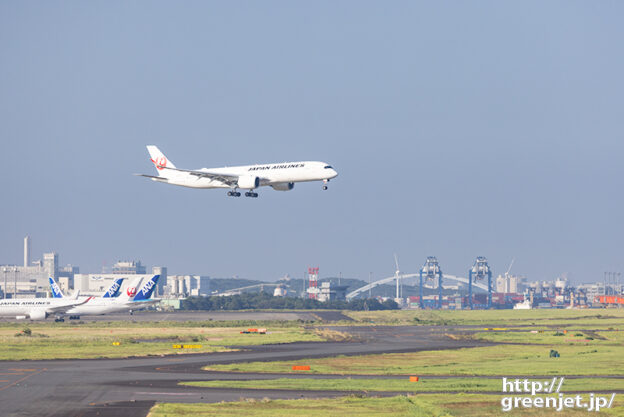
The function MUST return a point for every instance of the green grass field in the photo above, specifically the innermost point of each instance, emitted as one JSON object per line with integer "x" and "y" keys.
{"x": 95, "y": 340}
{"x": 574, "y": 319}
{"x": 421, "y": 405}
{"x": 478, "y": 385}
{"x": 490, "y": 360}
{"x": 584, "y": 350}
{"x": 557, "y": 337}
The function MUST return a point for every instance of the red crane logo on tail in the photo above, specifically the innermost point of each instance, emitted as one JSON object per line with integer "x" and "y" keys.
{"x": 131, "y": 291}
{"x": 160, "y": 163}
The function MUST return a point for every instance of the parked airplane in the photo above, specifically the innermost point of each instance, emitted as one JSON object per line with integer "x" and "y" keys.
{"x": 130, "y": 300}
{"x": 38, "y": 308}
{"x": 281, "y": 177}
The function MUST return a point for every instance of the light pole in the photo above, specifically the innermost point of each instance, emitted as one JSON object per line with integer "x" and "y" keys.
{"x": 15, "y": 282}
{"x": 4, "y": 289}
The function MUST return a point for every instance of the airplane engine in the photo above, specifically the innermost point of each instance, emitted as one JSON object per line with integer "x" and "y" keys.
{"x": 248, "y": 182}
{"x": 38, "y": 315}
{"x": 283, "y": 186}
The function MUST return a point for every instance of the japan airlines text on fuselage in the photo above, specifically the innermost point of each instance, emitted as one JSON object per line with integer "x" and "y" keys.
{"x": 37, "y": 308}
{"x": 281, "y": 177}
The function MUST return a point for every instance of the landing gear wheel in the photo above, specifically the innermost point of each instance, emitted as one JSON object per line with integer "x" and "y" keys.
{"x": 251, "y": 194}
{"x": 324, "y": 187}
{"x": 234, "y": 194}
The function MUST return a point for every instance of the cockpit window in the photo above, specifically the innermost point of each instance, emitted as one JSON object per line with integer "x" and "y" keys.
{"x": 328, "y": 167}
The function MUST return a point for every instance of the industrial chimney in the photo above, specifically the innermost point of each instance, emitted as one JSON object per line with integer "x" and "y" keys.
{"x": 27, "y": 251}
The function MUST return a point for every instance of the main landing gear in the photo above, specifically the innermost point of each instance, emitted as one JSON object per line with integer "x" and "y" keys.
{"x": 235, "y": 193}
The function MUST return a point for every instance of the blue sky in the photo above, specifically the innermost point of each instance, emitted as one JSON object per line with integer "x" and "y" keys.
{"x": 459, "y": 129}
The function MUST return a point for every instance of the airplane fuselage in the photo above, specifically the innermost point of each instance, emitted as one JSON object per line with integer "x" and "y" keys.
{"x": 99, "y": 306}
{"x": 33, "y": 308}
{"x": 267, "y": 174}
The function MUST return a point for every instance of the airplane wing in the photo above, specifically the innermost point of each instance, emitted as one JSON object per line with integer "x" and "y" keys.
{"x": 151, "y": 176}
{"x": 230, "y": 180}
{"x": 63, "y": 308}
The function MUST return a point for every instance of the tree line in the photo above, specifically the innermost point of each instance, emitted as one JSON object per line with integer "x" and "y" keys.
{"x": 263, "y": 300}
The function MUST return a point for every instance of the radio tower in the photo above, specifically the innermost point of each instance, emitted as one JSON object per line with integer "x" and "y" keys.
{"x": 313, "y": 283}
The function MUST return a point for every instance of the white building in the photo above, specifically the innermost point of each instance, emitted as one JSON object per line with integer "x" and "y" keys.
{"x": 181, "y": 286}
{"x": 129, "y": 267}
{"x": 95, "y": 284}
{"x": 592, "y": 291}
{"x": 509, "y": 284}
{"x": 31, "y": 279}
{"x": 330, "y": 291}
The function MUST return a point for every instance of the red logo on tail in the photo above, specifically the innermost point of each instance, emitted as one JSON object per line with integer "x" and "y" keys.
{"x": 131, "y": 291}
{"x": 160, "y": 163}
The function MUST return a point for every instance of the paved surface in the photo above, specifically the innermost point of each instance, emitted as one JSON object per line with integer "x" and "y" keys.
{"x": 139, "y": 316}
{"x": 129, "y": 387}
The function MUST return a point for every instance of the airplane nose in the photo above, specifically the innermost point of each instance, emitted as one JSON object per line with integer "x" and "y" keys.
{"x": 334, "y": 173}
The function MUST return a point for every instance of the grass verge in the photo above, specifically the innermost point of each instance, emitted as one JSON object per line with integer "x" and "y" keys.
{"x": 573, "y": 319}
{"x": 75, "y": 341}
{"x": 509, "y": 360}
{"x": 422, "y": 405}
{"x": 478, "y": 385}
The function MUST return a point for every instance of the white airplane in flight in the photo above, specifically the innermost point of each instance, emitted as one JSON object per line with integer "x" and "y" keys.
{"x": 281, "y": 177}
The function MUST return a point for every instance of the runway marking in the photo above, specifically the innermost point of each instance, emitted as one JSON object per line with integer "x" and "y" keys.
{"x": 23, "y": 378}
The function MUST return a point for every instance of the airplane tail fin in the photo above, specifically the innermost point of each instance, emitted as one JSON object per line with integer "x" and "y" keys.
{"x": 76, "y": 294}
{"x": 113, "y": 291}
{"x": 131, "y": 290}
{"x": 159, "y": 159}
{"x": 147, "y": 289}
{"x": 56, "y": 290}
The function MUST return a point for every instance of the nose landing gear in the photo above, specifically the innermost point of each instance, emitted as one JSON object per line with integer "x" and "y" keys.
{"x": 325, "y": 184}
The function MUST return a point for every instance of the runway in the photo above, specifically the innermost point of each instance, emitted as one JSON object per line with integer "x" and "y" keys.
{"x": 129, "y": 387}
{"x": 140, "y": 316}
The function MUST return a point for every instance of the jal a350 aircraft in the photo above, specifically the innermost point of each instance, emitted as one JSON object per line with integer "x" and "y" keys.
{"x": 38, "y": 308}
{"x": 281, "y": 177}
